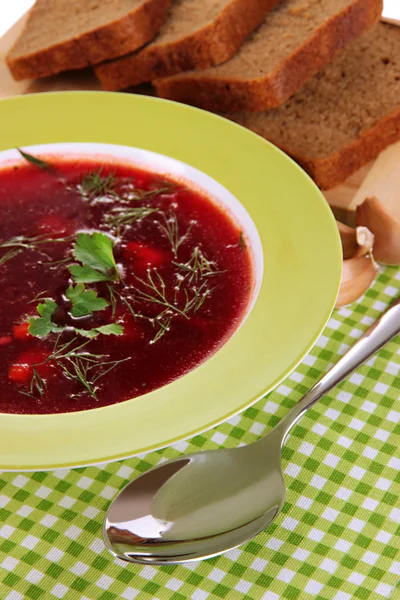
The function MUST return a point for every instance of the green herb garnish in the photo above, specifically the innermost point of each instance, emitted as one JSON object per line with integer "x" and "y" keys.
{"x": 38, "y": 162}
{"x": 171, "y": 229}
{"x": 20, "y": 242}
{"x": 42, "y": 325}
{"x": 37, "y": 386}
{"x": 9, "y": 255}
{"x": 86, "y": 369}
{"x": 150, "y": 193}
{"x": 127, "y": 216}
{"x": 84, "y": 302}
{"x": 77, "y": 364}
{"x": 162, "y": 321}
{"x": 241, "y": 242}
{"x": 95, "y": 252}
{"x": 197, "y": 267}
{"x": 113, "y": 300}
{"x": 87, "y": 274}
{"x": 110, "y": 329}
{"x": 95, "y": 184}
{"x": 154, "y": 290}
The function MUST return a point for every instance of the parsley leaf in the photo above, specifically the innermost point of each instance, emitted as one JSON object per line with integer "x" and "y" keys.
{"x": 88, "y": 333}
{"x": 95, "y": 252}
{"x": 41, "y": 326}
{"x": 84, "y": 302}
{"x": 111, "y": 329}
{"x": 86, "y": 274}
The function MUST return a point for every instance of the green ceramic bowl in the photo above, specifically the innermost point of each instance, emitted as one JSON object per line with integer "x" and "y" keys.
{"x": 299, "y": 284}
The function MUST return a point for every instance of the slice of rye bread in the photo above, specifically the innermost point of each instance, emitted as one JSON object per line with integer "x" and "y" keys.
{"x": 343, "y": 117}
{"x": 70, "y": 34}
{"x": 195, "y": 35}
{"x": 296, "y": 40}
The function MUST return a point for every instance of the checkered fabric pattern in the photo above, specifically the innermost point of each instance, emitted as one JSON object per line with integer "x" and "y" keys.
{"x": 338, "y": 537}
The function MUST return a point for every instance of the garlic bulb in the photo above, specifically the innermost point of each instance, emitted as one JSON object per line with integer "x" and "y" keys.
{"x": 385, "y": 227}
{"x": 359, "y": 267}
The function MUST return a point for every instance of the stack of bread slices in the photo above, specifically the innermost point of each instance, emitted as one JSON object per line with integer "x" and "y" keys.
{"x": 318, "y": 78}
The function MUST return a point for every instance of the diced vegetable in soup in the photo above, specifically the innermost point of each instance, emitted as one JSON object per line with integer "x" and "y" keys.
{"x": 114, "y": 282}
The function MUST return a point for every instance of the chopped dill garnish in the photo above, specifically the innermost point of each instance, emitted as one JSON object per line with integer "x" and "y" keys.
{"x": 197, "y": 267}
{"x": 95, "y": 184}
{"x": 9, "y": 255}
{"x": 77, "y": 364}
{"x": 37, "y": 386}
{"x": 127, "y": 216}
{"x": 18, "y": 243}
{"x": 170, "y": 228}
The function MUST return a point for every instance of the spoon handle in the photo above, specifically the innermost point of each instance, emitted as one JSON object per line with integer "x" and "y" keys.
{"x": 381, "y": 332}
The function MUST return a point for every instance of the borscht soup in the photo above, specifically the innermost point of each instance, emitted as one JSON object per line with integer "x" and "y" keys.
{"x": 115, "y": 281}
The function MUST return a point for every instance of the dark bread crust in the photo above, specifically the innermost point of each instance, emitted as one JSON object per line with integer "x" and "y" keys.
{"x": 211, "y": 45}
{"x": 330, "y": 171}
{"x": 345, "y": 116}
{"x": 221, "y": 94}
{"x": 124, "y": 35}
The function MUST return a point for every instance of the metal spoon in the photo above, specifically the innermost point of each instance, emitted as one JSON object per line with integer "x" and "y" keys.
{"x": 203, "y": 504}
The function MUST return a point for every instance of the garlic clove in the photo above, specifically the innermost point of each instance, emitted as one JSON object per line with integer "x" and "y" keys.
{"x": 357, "y": 275}
{"x": 348, "y": 238}
{"x": 385, "y": 227}
{"x": 355, "y": 241}
{"x": 365, "y": 241}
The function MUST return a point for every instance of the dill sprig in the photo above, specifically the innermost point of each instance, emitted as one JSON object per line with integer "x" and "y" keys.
{"x": 162, "y": 321}
{"x": 84, "y": 367}
{"x": 113, "y": 300}
{"x": 197, "y": 267}
{"x": 156, "y": 192}
{"x": 18, "y": 243}
{"x": 129, "y": 192}
{"x": 154, "y": 290}
{"x": 127, "y": 216}
{"x": 57, "y": 263}
{"x": 40, "y": 296}
{"x": 192, "y": 295}
{"x": 87, "y": 369}
{"x": 9, "y": 255}
{"x": 37, "y": 386}
{"x": 95, "y": 184}
{"x": 200, "y": 295}
{"x": 30, "y": 243}
{"x": 170, "y": 228}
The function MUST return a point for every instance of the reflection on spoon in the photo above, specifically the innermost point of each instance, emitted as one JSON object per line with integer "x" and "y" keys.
{"x": 206, "y": 503}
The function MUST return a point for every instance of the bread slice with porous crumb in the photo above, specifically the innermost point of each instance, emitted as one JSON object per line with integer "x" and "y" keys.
{"x": 343, "y": 117}
{"x": 70, "y": 34}
{"x": 195, "y": 35}
{"x": 296, "y": 40}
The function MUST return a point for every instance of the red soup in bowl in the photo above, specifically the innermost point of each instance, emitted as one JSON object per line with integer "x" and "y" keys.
{"x": 115, "y": 281}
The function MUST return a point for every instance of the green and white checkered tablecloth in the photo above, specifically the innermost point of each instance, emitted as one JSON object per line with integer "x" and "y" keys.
{"x": 338, "y": 537}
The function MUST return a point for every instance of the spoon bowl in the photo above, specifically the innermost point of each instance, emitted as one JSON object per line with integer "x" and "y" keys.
{"x": 198, "y": 505}
{"x": 203, "y": 504}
